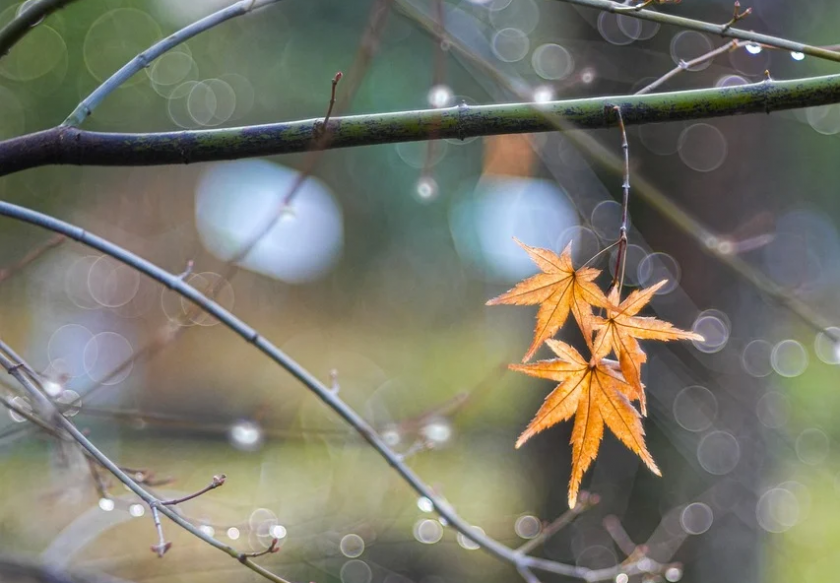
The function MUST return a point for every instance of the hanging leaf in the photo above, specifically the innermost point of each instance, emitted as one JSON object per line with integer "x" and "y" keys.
{"x": 595, "y": 394}
{"x": 560, "y": 289}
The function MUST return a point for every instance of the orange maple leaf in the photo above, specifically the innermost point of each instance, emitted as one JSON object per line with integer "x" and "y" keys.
{"x": 560, "y": 289}
{"x": 621, "y": 328}
{"x": 596, "y": 394}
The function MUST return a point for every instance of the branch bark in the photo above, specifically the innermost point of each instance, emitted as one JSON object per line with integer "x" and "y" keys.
{"x": 69, "y": 145}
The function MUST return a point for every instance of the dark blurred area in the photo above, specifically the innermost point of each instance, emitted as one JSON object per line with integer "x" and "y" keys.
{"x": 375, "y": 279}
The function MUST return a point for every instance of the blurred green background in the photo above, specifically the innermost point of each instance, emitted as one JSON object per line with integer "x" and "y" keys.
{"x": 380, "y": 271}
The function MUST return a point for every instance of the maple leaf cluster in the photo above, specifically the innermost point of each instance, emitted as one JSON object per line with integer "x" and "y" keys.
{"x": 596, "y": 391}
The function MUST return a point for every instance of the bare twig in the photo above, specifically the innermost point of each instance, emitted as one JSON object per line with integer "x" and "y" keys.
{"x": 621, "y": 258}
{"x": 586, "y": 501}
{"x": 724, "y": 30}
{"x": 736, "y": 15}
{"x": 33, "y": 15}
{"x": 622, "y": 540}
{"x": 272, "y": 548}
{"x": 217, "y": 481}
{"x": 144, "y": 59}
{"x": 335, "y": 81}
{"x": 162, "y": 545}
{"x": 32, "y": 388}
{"x": 32, "y": 256}
{"x": 686, "y": 65}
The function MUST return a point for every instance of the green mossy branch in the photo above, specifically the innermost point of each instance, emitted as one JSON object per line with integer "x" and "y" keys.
{"x": 69, "y": 145}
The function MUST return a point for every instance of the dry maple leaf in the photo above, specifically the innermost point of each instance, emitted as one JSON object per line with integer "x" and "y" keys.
{"x": 596, "y": 394}
{"x": 559, "y": 290}
{"x": 621, "y": 328}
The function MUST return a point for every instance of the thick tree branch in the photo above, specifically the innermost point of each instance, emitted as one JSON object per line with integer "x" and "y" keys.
{"x": 144, "y": 59}
{"x": 26, "y": 20}
{"x": 69, "y": 145}
{"x": 724, "y": 30}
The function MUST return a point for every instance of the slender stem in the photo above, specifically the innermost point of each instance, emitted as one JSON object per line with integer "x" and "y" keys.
{"x": 17, "y": 28}
{"x": 162, "y": 545}
{"x": 724, "y": 30}
{"x": 215, "y": 483}
{"x": 686, "y": 65}
{"x": 13, "y": 367}
{"x": 621, "y": 258}
{"x": 144, "y": 59}
{"x": 584, "y": 504}
{"x": 68, "y": 145}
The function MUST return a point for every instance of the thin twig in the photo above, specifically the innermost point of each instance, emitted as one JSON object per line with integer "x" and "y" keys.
{"x": 217, "y": 481}
{"x": 621, "y": 257}
{"x": 144, "y": 59}
{"x": 724, "y": 30}
{"x": 33, "y": 255}
{"x": 622, "y": 540}
{"x": 736, "y": 15}
{"x": 272, "y": 548}
{"x": 686, "y": 65}
{"x": 31, "y": 387}
{"x": 34, "y": 14}
{"x": 586, "y": 501}
{"x": 162, "y": 545}
{"x": 335, "y": 81}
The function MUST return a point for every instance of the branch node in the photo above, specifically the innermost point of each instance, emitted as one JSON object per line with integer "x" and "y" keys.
{"x": 462, "y": 106}
{"x": 736, "y": 16}
{"x": 188, "y": 271}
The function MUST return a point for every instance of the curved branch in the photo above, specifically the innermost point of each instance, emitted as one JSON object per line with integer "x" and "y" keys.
{"x": 68, "y": 145}
{"x": 724, "y": 30}
{"x": 26, "y": 20}
{"x": 144, "y": 59}
{"x": 324, "y": 393}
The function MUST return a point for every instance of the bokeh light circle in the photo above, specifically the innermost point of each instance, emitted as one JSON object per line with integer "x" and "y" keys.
{"x": 510, "y": 45}
{"x": 552, "y": 62}
{"x": 104, "y": 354}
{"x": 115, "y": 38}
{"x": 756, "y": 358}
{"x": 695, "y": 408}
{"x": 696, "y": 518}
{"x": 718, "y": 452}
{"x": 702, "y": 147}
{"x": 789, "y": 358}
